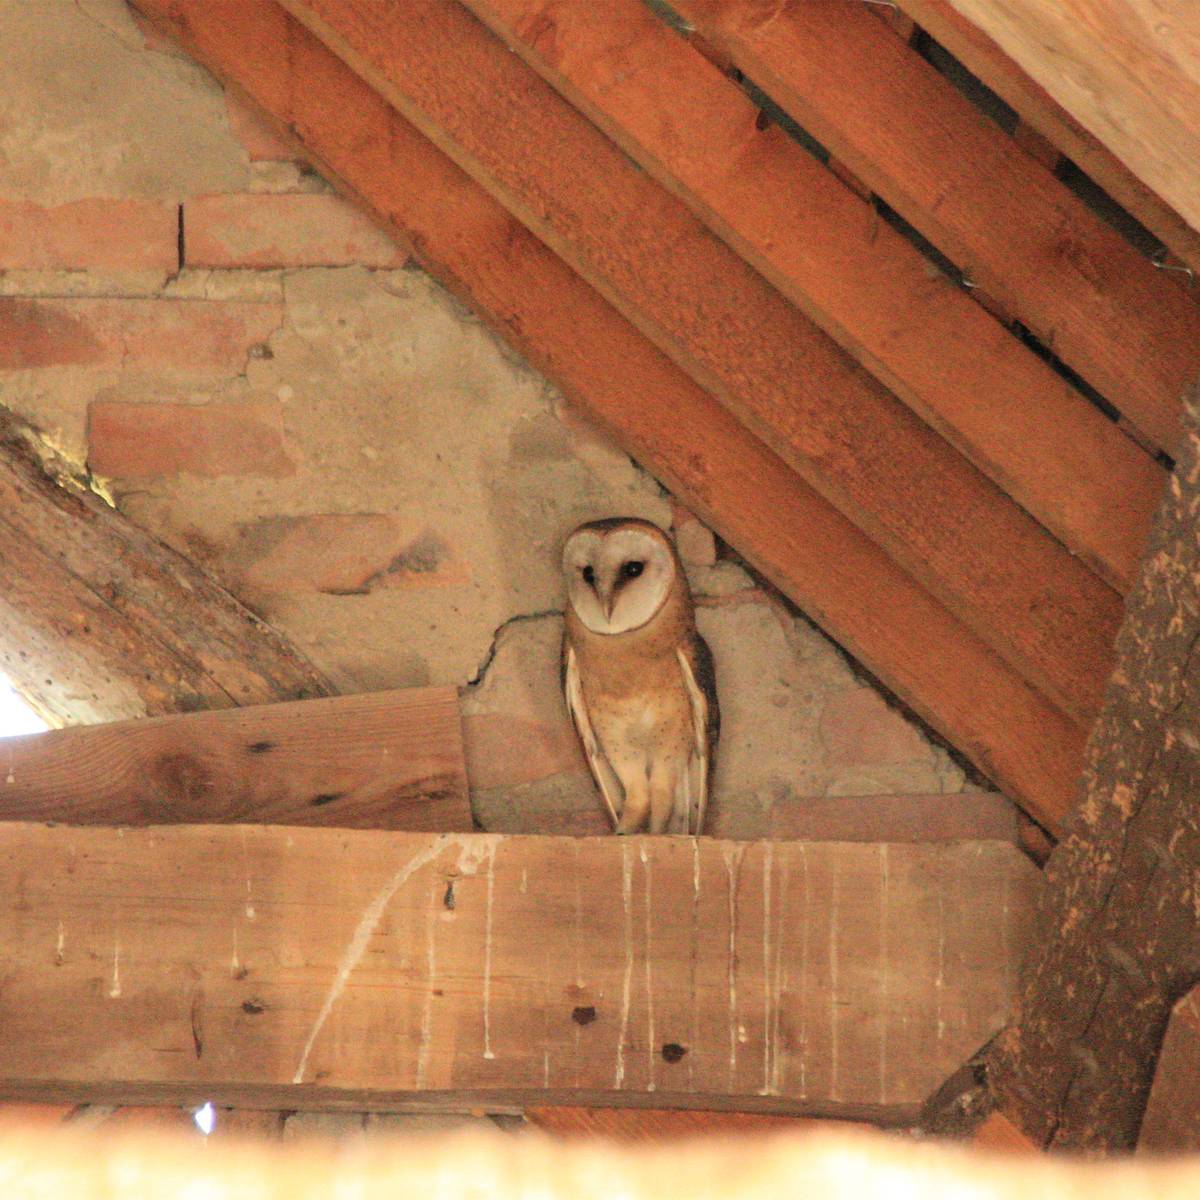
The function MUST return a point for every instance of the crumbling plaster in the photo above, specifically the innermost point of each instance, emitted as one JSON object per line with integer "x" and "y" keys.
{"x": 425, "y": 476}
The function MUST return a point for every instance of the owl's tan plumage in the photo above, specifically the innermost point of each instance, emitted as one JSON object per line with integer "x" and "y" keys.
{"x": 638, "y": 677}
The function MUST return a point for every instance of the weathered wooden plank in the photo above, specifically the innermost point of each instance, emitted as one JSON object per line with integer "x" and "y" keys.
{"x": 1016, "y": 231}
{"x": 1118, "y": 938}
{"x": 1127, "y": 70}
{"x": 692, "y": 443}
{"x": 388, "y": 760}
{"x": 868, "y": 454}
{"x": 1172, "y": 1121}
{"x": 100, "y": 621}
{"x": 295, "y": 967}
{"x": 982, "y": 57}
{"x": 666, "y": 1124}
{"x": 823, "y": 247}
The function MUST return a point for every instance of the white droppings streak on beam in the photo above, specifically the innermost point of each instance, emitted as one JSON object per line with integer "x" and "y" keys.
{"x": 884, "y": 981}
{"x": 834, "y": 1015}
{"x": 487, "y": 953}
{"x": 60, "y": 946}
{"x": 940, "y": 982}
{"x": 768, "y": 861}
{"x": 695, "y": 950}
{"x": 363, "y": 931}
{"x": 430, "y": 979}
{"x": 778, "y": 1051}
{"x": 627, "y": 987}
{"x": 235, "y": 961}
{"x": 251, "y": 913}
{"x": 648, "y": 958}
{"x": 732, "y": 857}
{"x": 114, "y": 988}
{"x": 804, "y": 980}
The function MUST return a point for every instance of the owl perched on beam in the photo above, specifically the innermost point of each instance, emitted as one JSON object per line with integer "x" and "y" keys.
{"x": 638, "y": 678}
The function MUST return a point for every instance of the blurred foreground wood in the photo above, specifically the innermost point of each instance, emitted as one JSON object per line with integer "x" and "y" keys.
{"x": 37, "y": 1164}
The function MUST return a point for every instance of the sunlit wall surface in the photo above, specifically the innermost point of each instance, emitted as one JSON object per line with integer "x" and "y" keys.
{"x": 15, "y": 715}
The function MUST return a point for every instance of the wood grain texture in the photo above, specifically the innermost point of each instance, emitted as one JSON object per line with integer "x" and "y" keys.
{"x": 799, "y": 541}
{"x": 100, "y": 621}
{"x": 824, "y": 248}
{"x": 1118, "y": 938}
{"x": 1015, "y": 230}
{"x": 988, "y": 561}
{"x": 305, "y": 967}
{"x": 1172, "y": 1121}
{"x": 1127, "y": 70}
{"x": 982, "y": 57}
{"x": 665, "y": 1124}
{"x": 389, "y": 760}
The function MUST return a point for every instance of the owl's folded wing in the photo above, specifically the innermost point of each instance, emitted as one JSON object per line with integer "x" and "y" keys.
{"x": 606, "y": 779}
{"x": 700, "y": 682}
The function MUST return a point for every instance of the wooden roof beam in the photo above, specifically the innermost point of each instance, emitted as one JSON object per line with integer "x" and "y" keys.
{"x": 309, "y": 968}
{"x": 100, "y": 621}
{"x": 825, "y": 248}
{"x": 702, "y": 305}
{"x": 954, "y": 175}
{"x": 728, "y": 477}
{"x": 387, "y": 760}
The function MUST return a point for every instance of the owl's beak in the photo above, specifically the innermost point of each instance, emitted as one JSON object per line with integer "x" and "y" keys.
{"x": 607, "y": 599}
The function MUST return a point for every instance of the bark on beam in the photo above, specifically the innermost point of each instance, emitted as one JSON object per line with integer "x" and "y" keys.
{"x": 1118, "y": 941}
{"x": 99, "y": 621}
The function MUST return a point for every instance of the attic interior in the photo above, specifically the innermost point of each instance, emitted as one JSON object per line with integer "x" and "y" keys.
{"x": 323, "y": 323}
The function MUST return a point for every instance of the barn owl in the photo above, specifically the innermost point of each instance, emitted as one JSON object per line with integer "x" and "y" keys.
{"x": 638, "y": 678}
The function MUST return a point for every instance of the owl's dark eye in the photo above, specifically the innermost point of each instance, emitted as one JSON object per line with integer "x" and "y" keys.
{"x": 631, "y": 570}
{"x": 589, "y": 576}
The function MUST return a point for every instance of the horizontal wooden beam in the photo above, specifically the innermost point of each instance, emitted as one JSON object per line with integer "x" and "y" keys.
{"x": 301, "y": 967}
{"x": 983, "y": 58}
{"x": 822, "y": 245}
{"x": 1127, "y": 70}
{"x": 390, "y": 760}
{"x": 702, "y": 305}
{"x": 100, "y": 621}
{"x": 952, "y": 173}
{"x": 526, "y": 293}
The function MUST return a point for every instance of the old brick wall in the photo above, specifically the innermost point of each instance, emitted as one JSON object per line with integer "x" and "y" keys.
{"x": 255, "y": 373}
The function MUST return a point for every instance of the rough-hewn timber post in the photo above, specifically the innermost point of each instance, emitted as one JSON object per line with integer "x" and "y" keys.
{"x": 1118, "y": 936}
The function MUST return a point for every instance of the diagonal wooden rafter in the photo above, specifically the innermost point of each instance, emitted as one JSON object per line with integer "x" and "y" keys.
{"x": 702, "y": 305}
{"x": 1019, "y": 233}
{"x": 524, "y": 291}
{"x": 99, "y": 621}
{"x": 983, "y": 58}
{"x": 824, "y": 248}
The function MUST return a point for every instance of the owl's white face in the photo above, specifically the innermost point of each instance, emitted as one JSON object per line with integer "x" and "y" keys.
{"x": 617, "y": 577}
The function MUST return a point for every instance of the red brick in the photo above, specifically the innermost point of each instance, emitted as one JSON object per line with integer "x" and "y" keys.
{"x": 193, "y": 335}
{"x": 858, "y": 727}
{"x": 260, "y": 141}
{"x": 289, "y": 230}
{"x": 341, "y": 553}
{"x": 130, "y": 441}
{"x": 98, "y": 234}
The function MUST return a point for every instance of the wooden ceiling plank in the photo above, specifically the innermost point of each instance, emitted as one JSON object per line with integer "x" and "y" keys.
{"x": 983, "y": 58}
{"x": 1172, "y": 1121}
{"x": 823, "y": 247}
{"x": 991, "y": 563}
{"x": 387, "y": 760}
{"x": 953, "y": 174}
{"x": 1127, "y": 70}
{"x": 1118, "y": 940}
{"x": 311, "y": 968}
{"x": 99, "y": 621}
{"x": 679, "y": 432}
